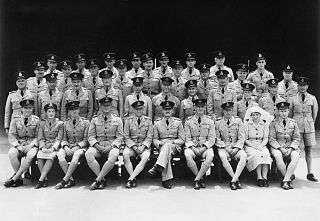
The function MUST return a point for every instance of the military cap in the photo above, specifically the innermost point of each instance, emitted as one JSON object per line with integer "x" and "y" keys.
{"x": 241, "y": 67}
{"x": 219, "y": 54}
{"x": 137, "y": 81}
{"x": 52, "y": 57}
{"x": 135, "y": 56}
{"x": 27, "y": 102}
{"x": 190, "y": 56}
{"x": 72, "y": 105}
{"x": 200, "y": 102}
{"x": 105, "y": 100}
{"x": 137, "y": 104}
{"x": 287, "y": 68}
{"x": 227, "y": 105}
{"x": 80, "y": 57}
{"x": 21, "y": 75}
{"x": 50, "y": 77}
{"x": 167, "y": 105}
{"x": 121, "y": 63}
{"x": 191, "y": 83}
{"x": 163, "y": 55}
{"x": 146, "y": 57}
{"x": 272, "y": 82}
{"x": 50, "y": 106}
{"x": 38, "y": 65}
{"x": 75, "y": 75}
{"x": 176, "y": 64}
{"x": 222, "y": 74}
{"x": 106, "y": 74}
{"x": 247, "y": 86}
{"x": 66, "y": 64}
{"x": 109, "y": 56}
{"x": 166, "y": 80}
{"x": 303, "y": 81}
{"x": 93, "y": 63}
{"x": 204, "y": 67}
{"x": 260, "y": 57}
{"x": 282, "y": 105}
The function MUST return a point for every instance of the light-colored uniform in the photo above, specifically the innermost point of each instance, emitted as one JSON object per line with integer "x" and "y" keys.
{"x": 34, "y": 87}
{"x": 242, "y": 106}
{"x": 186, "y": 108}
{"x": 236, "y": 86}
{"x": 287, "y": 92}
{"x": 151, "y": 83}
{"x": 134, "y": 73}
{"x": 216, "y": 68}
{"x": 92, "y": 83}
{"x": 124, "y": 84}
{"x": 268, "y": 103}
{"x": 117, "y": 102}
{"x": 147, "y": 107}
{"x": 168, "y": 139}
{"x": 178, "y": 88}
{"x": 188, "y": 74}
{"x": 64, "y": 83}
{"x": 204, "y": 87}
{"x": 157, "y": 109}
{"x": 260, "y": 81}
{"x": 164, "y": 72}
{"x": 45, "y": 98}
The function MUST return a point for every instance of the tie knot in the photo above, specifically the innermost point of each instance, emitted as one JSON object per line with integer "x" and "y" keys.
{"x": 222, "y": 90}
{"x": 139, "y": 120}
{"x": 247, "y": 103}
{"x": 228, "y": 121}
{"x": 167, "y": 122}
{"x": 274, "y": 99}
{"x": 25, "y": 121}
{"x": 199, "y": 120}
{"x": 77, "y": 92}
{"x": 284, "y": 122}
{"x": 303, "y": 96}
{"x": 138, "y": 96}
{"x": 105, "y": 118}
{"x": 166, "y": 97}
{"x": 74, "y": 122}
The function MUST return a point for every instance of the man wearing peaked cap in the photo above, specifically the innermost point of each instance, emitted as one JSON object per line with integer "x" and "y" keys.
{"x": 168, "y": 138}
{"x": 219, "y": 59}
{"x": 200, "y": 138}
{"x": 205, "y": 84}
{"x": 285, "y": 145}
{"x": 64, "y": 81}
{"x": 164, "y": 69}
{"x": 241, "y": 72}
{"x": 80, "y": 61}
{"x": 138, "y": 95}
{"x": 52, "y": 62}
{"x": 287, "y": 88}
{"x": 138, "y": 132}
{"x": 260, "y": 76}
{"x": 37, "y": 83}
{"x": 23, "y": 141}
{"x": 304, "y": 108}
{"x": 230, "y": 140}
{"x": 122, "y": 82}
{"x": 190, "y": 72}
{"x": 246, "y": 100}
{"x": 187, "y": 107}
{"x": 136, "y": 70}
{"x": 109, "y": 60}
{"x": 178, "y": 88}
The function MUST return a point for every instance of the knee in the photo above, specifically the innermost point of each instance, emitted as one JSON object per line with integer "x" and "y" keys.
{"x": 114, "y": 153}
{"x": 61, "y": 155}
{"x": 31, "y": 154}
{"x": 295, "y": 155}
{"x": 126, "y": 155}
{"x": 13, "y": 153}
{"x": 223, "y": 156}
{"x": 90, "y": 155}
{"x": 277, "y": 155}
{"x": 76, "y": 157}
{"x": 188, "y": 154}
{"x": 145, "y": 156}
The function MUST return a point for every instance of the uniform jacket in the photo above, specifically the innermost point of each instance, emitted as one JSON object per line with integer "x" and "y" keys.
{"x": 147, "y": 108}
{"x": 75, "y": 133}
{"x": 157, "y": 109}
{"x": 50, "y": 134}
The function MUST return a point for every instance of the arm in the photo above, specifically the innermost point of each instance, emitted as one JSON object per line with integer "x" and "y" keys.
{"x": 156, "y": 140}
{"x": 265, "y": 136}
{"x": 64, "y": 141}
{"x": 84, "y": 143}
{"x": 219, "y": 141}
{"x": 273, "y": 136}
{"x": 120, "y": 103}
{"x": 58, "y": 138}
{"x": 90, "y": 106}
{"x": 13, "y": 134}
{"x": 126, "y": 107}
{"x": 147, "y": 142}
{"x": 119, "y": 135}
{"x": 126, "y": 133}
{"x": 34, "y": 142}
{"x": 63, "y": 107}
{"x": 211, "y": 136}
{"x": 181, "y": 135}
{"x": 210, "y": 107}
{"x": 149, "y": 108}
{"x": 315, "y": 108}
{"x": 295, "y": 137}
{"x": 241, "y": 136}
{"x": 8, "y": 113}
{"x": 92, "y": 133}
{"x": 181, "y": 112}
{"x": 41, "y": 137}
{"x": 187, "y": 130}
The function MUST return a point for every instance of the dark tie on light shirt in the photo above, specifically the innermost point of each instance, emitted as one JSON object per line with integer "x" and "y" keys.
{"x": 167, "y": 122}
{"x": 247, "y": 103}
{"x": 139, "y": 121}
{"x": 199, "y": 120}
{"x": 222, "y": 90}
{"x": 22, "y": 93}
{"x": 77, "y": 93}
{"x": 25, "y": 121}
{"x": 166, "y": 97}
{"x": 286, "y": 85}
{"x": 303, "y": 97}
{"x": 105, "y": 118}
{"x": 190, "y": 71}
{"x": 74, "y": 122}
{"x": 138, "y": 96}
{"x": 94, "y": 81}
{"x": 274, "y": 99}
{"x": 284, "y": 123}
{"x": 228, "y": 122}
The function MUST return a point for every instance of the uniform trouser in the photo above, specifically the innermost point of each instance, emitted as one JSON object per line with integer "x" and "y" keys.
{"x": 164, "y": 160}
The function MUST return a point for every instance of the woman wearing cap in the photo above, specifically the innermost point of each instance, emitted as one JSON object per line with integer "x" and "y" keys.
{"x": 186, "y": 107}
{"x": 49, "y": 138}
{"x": 256, "y": 138}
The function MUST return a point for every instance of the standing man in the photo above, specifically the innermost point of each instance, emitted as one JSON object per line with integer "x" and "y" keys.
{"x": 230, "y": 141}
{"x": 110, "y": 60}
{"x": 105, "y": 138}
{"x": 187, "y": 105}
{"x": 304, "y": 110}
{"x": 246, "y": 102}
{"x": 190, "y": 72}
{"x": 64, "y": 83}
{"x": 136, "y": 70}
{"x": 219, "y": 59}
{"x": 164, "y": 70}
{"x": 287, "y": 88}
{"x": 178, "y": 88}
{"x": 284, "y": 139}
{"x": 169, "y": 137}
{"x": 80, "y": 61}
{"x": 38, "y": 83}
{"x": 122, "y": 82}
{"x": 23, "y": 142}
{"x": 93, "y": 82}
{"x": 241, "y": 72}
{"x": 52, "y": 62}
{"x": 205, "y": 84}
{"x": 138, "y": 132}
{"x": 200, "y": 138}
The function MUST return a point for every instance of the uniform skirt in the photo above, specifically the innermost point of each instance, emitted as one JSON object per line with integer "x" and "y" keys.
{"x": 257, "y": 157}
{"x": 46, "y": 156}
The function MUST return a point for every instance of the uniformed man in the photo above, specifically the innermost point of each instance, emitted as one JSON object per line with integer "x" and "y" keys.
{"x": 109, "y": 90}
{"x": 168, "y": 138}
{"x": 52, "y": 62}
{"x": 73, "y": 145}
{"x": 187, "y": 107}
{"x": 77, "y": 93}
{"x": 151, "y": 79}
{"x": 287, "y": 88}
{"x": 64, "y": 83}
{"x": 122, "y": 82}
{"x": 230, "y": 141}
{"x": 246, "y": 102}
{"x": 80, "y": 61}
{"x": 93, "y": 82}
{"x": 269, "y": 101}
{"x": 164, "y": 70}
{"x": 136, "y": 70}
{"x": 220, "y": 95}
{"x": 137, "y": 95}
{"x": 190, "y": 72}
{"x": 23, "y": 141}
{"x": 105, "y": 139}
{"x": 110, "y": 60}
{"x": 284, "y": 139}
{"x": 178, "y": 88}
{"x": 13, "y": 108}
{"x": 138, "y": 132}
{"x": 304, "y": 109}
{"x": 205, "y": 84}
{"x": 260, "y": 76}
{"x": 38, "y": 83}
{"x": 219, "y": 59}
{"x": 50, "y": 95}
{"x": 241, "y": 72}
{"x": 165, "y": 95}
{"x": 200, "y": 138}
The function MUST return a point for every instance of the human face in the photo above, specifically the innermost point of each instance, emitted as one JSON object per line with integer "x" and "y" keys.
{"x": 287, "y": 76}
{"x": 191, "y": 63}
{"x": 247, "y": 95}
{"x": 136, "y": 63}
{"x": 109, "y": 63}
{"x": 261, "y": 64}
{"x": 242, "y": 75}
{"x": 21, "y": 84}
{"x": 139, "y": 111}
{"x": 52, "y": 65}
{"x": 51, "y": 84}
{"x": 200, "y": 110}
{"x": 107, "y": 82}
{"x": 303, "y": 88}
{"x": 219, "y": 61}
{"x": 27, "y": 111}
{"x": 51, "y": 113}
{"x": 94, "y": 70}
{"x": 137, "y": 89}
{"x": 283, "y": 113}
{"x": 148, "y": 65}
{"x": 255, "y": 116}
{"x": 39, "y": 72}
{"x": 192, "y": 91}
{"x": 106, "y": 108}
{"x": 77, "y": 84}
{"x": 223, "y": 82}
{"x": 273, "y": 90}
{"x": 164, "y": 62}
{"x": 67, "y": 71}
{"x": 166, "y": 88}
{"x": 227, "y": 113}
{"x": 177, "y": 71}
{"x": 167, "y": 112}
{"x": 122, "y": 71}
{"x": 81, "y": 64}
{"x": 74, "y": 113}
{"x": 205, "y": 75}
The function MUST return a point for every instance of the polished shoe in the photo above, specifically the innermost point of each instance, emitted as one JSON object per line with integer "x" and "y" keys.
{"x": 202, "y": 183}
{"x": 9, "y": 183}
{"x": 290, "y": 184}
{"x": 27, "y": 175}
{"x": 129, "y": 184}
{"x": 196, "y": 185}
{"x": 39, "y": 184}
{"x": 70, "y": 183}
{"x": 45, "y": 183}
{"x": 311, "y": 177}
{"x": 18, "y": 183}
{"x": 265, "y": 183}
{"x": 60, "y": 185}
{"x": 238, "y": 184}
{"x": 292, "y": 177}
{"x": 233, "y": 186}
{"x": 153, "y": 172}
{"x": 285, "y": 185}
{"x": 260, "y": 182}
{"x": 103, "y": 184}
{"x": 168, "y": 184}
{"x": 134, "y": 182}
{"x": 95, "y": 185}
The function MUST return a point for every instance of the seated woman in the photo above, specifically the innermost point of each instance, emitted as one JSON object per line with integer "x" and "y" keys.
{"x": 49, "y": 137}
{"x": 256, "y": 138}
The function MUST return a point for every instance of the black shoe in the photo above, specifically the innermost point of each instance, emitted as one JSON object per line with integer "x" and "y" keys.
{"x": 27, "y": 175}
{"x": 196, "y": 185}
{"x": 153, "y": 172}
{"x": 285, "y": 185}
{"x": 292, "y": 177}
{"x": 238, "y": 184}
{"x": 260, "y": 182}
{"x": 290, "y": 184}
{"x": 70, "y": 183}
{"x": 167, "y": 184}
{"x": 311, "y": 177}
{"x": 9, "y": 183}
{"x": 129, "y": 184}
{"x": 95, "y": 185}
{"x": 265, "y": 183}
{"x": 233, "y": 186}
{"x": 18, "y": 183}
{"x": 103, "y": 184}
{"x": 60, "y": 185}
{"x": 39, "y": 184}
{"x": 45, "y": 183}
{"x": 134, "y": 182}
{"x": 202, "y": 183}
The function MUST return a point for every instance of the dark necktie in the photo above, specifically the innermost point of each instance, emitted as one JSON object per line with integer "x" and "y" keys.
{"x": 25, "y": 121}
{"x": 66, "y": 81}
{"x": 163, "y": 72}
{"x": 274, "y": 99}
{"x": 166, "y": 97}
{"x": 241, "y": 82}
{"x": 138, "y": 96}
{"x": 94, "y": 81}
{"x": 105, "y": 118}
{"x": 247, "y": 103}
{"x": 38, "y": 81}
{"x": 74, "y": 122}
{"x": 49, "y": 124}
{"x": 228, "y": 122}
{"x": 284, "y": 123}
{"x": 199, "y": 120}
{"x": 50, "y": 93}
{"x": 261, "y": 75}
{"x": 167, "y": 122}
{"x": 136, "y": 70}
{"x": 286, "y": 85}
{"x": 205, "y": 83}
{"x": 139, "y": 121}
{"x": 177, "y": 80}
{"x": 77, "y": 93}
{"x": 22, "y": 93}
{"x": 222, "y": 90}
{"x": 121, "y": 78}
{"x": 303, "y": 97}
{"x": 190, "y": 72}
